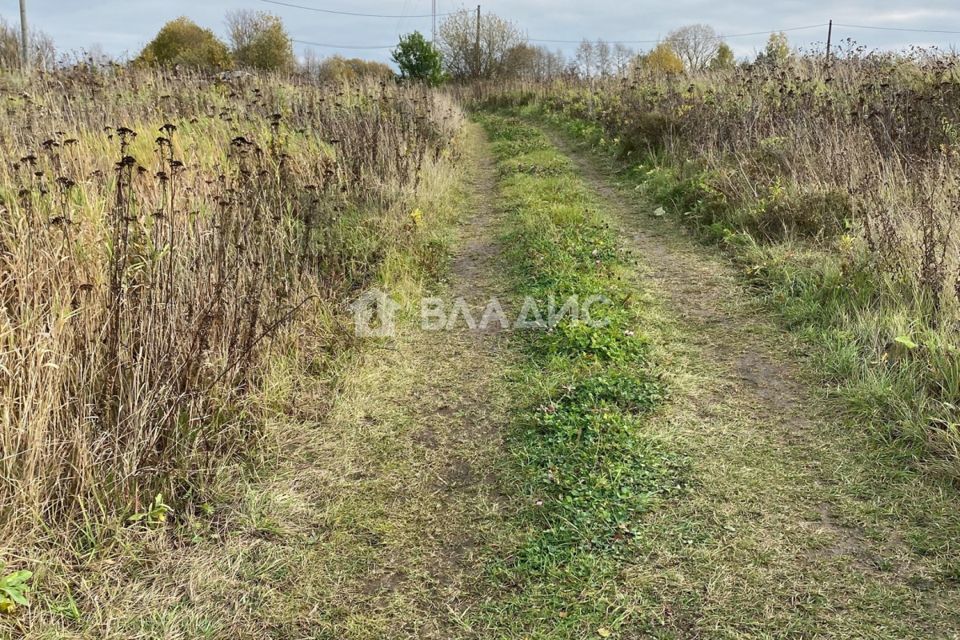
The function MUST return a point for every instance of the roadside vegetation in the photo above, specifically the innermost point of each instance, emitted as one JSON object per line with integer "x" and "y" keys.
{"x": 166, "y": 241}
{"x": 834, "y": 189}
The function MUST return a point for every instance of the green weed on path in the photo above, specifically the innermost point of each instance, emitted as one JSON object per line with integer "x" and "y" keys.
{"x": 588, "y": 471}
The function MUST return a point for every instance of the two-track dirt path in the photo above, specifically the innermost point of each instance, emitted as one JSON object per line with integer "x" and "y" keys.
{"x": 791, "y": 529}
{"x": 382, "y": 516}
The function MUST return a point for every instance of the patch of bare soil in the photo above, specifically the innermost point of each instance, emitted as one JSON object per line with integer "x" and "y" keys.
{"x": 440, "y": 491}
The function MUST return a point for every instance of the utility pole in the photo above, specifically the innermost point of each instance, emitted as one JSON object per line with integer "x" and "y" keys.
{"x": 24, "y": 38}
{"x": 477, "y": 45}
{"x": 829, "y": 37}
{"x": 434, "y": 40}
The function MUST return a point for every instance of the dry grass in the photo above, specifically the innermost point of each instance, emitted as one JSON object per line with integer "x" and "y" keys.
{"x": 159, "y": 232}
{"x": 795, "y": 525}
{"x": 836, "y": 189}
{"x": 869, "y": 142}
{"x": 342, "y": 527}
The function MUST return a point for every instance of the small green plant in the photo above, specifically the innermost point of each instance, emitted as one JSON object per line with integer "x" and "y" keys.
{"x": 13, "y": 591}
{"x": 154, "y": 516}
{"x": 906, "y": 342}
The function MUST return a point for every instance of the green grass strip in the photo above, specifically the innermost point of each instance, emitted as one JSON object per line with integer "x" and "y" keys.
{"x": 589, "y": 472}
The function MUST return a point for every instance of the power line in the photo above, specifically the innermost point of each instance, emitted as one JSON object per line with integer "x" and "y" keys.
{"x": 351, "y": 13}
{"x": 768, "y": 32}
{"x": 863, "y": 26}
{"x": 624, "y": 42}
{"x": 717, "y": 37}
{"x": 342, "y": 46}
{"x": 403, "y": 12}
{"x": 588, "y": 40}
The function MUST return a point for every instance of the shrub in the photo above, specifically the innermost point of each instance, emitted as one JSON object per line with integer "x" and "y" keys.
{"x": 662, "y": 60}
{"x": 183, "y": 42}
{"x": 338, "y": 69}
{"x": 259, "y": 41}
{"x": 724, "y": 60}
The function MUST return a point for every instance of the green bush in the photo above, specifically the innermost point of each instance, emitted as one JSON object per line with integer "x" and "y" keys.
{"x": 183, "y": 42}
{"x": 419, "y": 60}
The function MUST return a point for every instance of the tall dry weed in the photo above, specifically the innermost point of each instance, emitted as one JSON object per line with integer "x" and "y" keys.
{"x": 157, "y": 230}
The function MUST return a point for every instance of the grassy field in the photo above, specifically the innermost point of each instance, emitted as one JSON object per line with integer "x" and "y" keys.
{"x": 176, "y": 251}
{"x": 753, "y": 436}
{"x": 789, "y": 499}
{"x": 586, "y": 471}
{"x": 835, "y": 192}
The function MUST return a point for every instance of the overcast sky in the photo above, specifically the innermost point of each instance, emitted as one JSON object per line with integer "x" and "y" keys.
{"x": 124, "y": 26}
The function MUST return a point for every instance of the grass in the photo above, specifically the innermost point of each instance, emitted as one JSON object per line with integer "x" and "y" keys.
{"x": 622, "y": 481}
{"x": 588, "y": 472}
{"x": 162, "y": 233}
{"x": 372, "y": 499}
{"x": 871, "y": 343}
{"x": 845, "y": 227}
{"x": 666, "y": 473}
{"x": 793, "y": 524}
{"x": 174, "y": 283}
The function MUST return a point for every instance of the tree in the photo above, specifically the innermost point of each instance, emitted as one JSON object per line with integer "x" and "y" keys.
{"x": 604, "y": 58}
{"x": 339, "y": 69}
{"x": 724, "y": 60}
{"x": 586, "y": 59}
{"x": 662, "y": 60}
{"x": 311, "y": 63}
{"x": 599, "y": 59}
{"x": 777, "y": 51}
{"x": 696, "y": 45}
{"x": 458, "y": 44}
{"x": 536, "y": 63}
{"x": 42, "y": 51}
{"x": 550, "y": 64}
{"x": 622, "y": 55}
{"x": 522, "y": 62}
{"x": 259, "y": 41}
{"x": 418, "y": 60}
{"x": 183, "y": 42}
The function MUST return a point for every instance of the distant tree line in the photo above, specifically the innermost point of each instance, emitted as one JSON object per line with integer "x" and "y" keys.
{"x": 42, "y": 52}
{"x": 255, "y": 40}
{"x": 494, "y": 48}
{"x": 466, "y": 49}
